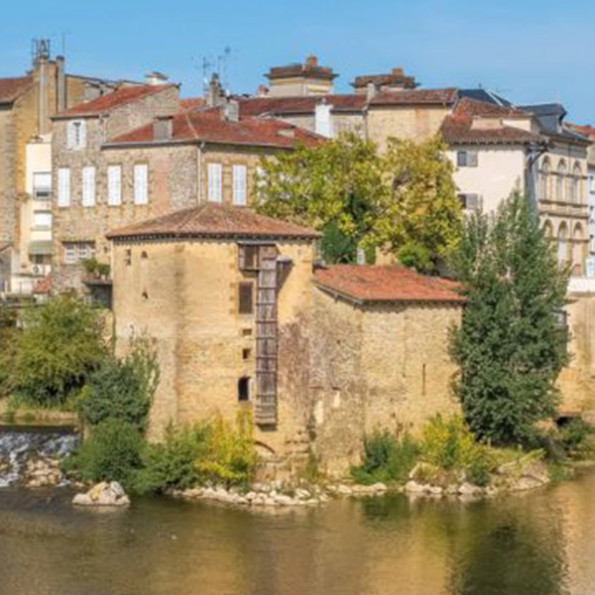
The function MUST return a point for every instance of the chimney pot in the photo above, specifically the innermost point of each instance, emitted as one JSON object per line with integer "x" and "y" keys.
{"x": 231, "y": 110}
{"x": 155, "y": 78}
{"x": 398, "y": 71}
{"x": 312, "y": 61}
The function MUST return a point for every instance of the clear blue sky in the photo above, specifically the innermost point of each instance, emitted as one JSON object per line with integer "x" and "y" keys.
{"x": 529, "y": 50}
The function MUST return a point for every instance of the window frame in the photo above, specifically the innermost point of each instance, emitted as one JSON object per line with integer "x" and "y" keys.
{"x": 215, "y": 182}
{"x": 88, "y": 186}
{"x": 141, "y": 183}
{"x": 114, "y": 186}
{"x": 239, "y": 176}
{"x": 64, "y": 187}
{"x": 246, "y": 305}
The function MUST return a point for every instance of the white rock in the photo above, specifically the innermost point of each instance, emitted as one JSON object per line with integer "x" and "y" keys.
{"x": 436, "y": 491}
{"x": 284, "y": 500}
{"x": 82, "y": 500}
{"x": 302, "y": 494}
{"x": 414, "y": 488}
{"x": 468, "y": 489}
{"x": 103, "y": 494}
{"x": 344, "y": 490}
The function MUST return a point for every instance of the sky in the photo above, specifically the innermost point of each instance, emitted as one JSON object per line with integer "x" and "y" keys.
{"x": 530, "y": 51}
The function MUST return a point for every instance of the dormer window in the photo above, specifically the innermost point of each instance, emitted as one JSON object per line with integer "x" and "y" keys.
{"x": 77, "y": 135}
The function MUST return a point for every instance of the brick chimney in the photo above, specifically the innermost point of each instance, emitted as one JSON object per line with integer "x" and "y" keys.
{"x": 163, "y": 127}
{"x": 231, "y": 110}
{"x": 312, "y": 61}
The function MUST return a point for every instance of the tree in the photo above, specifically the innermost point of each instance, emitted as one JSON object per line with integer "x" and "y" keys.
{"x": 510, "y": 347}
{"x": 60, "y": 346}
{"x": 403, "y": 202}
{"x": 425, "y": 218}
{"x": 337, "y": 188}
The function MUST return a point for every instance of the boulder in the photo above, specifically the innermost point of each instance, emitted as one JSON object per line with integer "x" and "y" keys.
{"x": 468, "y": 489}
{"x": 104, "y": 494}
{"x": 413, "y": 487}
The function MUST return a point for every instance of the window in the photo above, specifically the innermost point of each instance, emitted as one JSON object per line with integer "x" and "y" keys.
{"x": 88, "y": 186}
{"x": 77, "y": 135}
{"x": 214, "y": 173}
{"x": 239, "y": 185}
{"x": 128, "y": 257}
{"x": 246, "y": 298}
{"x": 249, "y": 254}
{"x": 576, "y": 184}
{"x": 467, "y": 158}
{"x": 561, "y": 181}
{"x": 470, "y": 202}
{"x": 76, "y": 252}
{"x": 42, "y": 185}
{"x": 42, "y": 220}
{"x": 141, "y": 190}
{"x": 562, "y": 247}
{"x": 246, "y": 353}
{"x": 114, "y": 185}
{"x": 244, "y": 389}
{"x": 544, "y": 179}
{"x": 64, "y": 187}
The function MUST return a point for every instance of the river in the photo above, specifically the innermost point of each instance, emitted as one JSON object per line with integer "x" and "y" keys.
{"x": 538, "y": 543}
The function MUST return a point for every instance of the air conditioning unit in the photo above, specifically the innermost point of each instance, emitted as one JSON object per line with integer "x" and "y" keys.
{"x": 36, "y": 269}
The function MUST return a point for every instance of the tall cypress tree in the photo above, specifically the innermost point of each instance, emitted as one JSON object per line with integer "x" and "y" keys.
{"x": 510, "y": 347}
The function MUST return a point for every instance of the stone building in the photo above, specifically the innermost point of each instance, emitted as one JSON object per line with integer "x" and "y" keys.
{"x": 143, "y": 157}
{"x": 392, "y": 81}
{"x": 26, "y": 105}
{"x": 241, "y": 322}
{"x": 309, "y": 78}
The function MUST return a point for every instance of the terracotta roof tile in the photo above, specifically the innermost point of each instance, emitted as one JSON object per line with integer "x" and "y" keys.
{"x": 585, "y": 130}
{"x": 214, "y": 220}
{"x": 397, "y": 78}
{"x": 309, "y": 68}
{"x": 386, "y": 284}
{"x": 463, "y": 131}
{"x": 112, "y": 100}
{"x": 209, "y": 126}
{"x": 11, "y": 88}
{"x": 189, "y": 103}
{"x": 472, "y": 107}
{"x": 256, "y": 106}
{"x": 416, "y": 97}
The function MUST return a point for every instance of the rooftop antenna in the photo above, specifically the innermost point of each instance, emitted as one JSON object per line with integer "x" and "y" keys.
{"x": 223, "y": 66}
{"x": 207, "y": 71}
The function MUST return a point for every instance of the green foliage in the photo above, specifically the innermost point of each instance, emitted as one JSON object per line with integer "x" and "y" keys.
{"x": 123, "y": 389}
{"x": 60, "y": 347}
{"x": 90, "y": 265}
{"x": 112, "y": 453}
{"x": 575, "y": 437}
{"x": 172, "y": 463}
{"x": 8, "y": 347}
{"x": 404, "y": 201}
{"x": 509, "y": 348}
{"x": 312, "y": 474}
{"x": 386, "y": 459}
{"x": 103, "y": 269}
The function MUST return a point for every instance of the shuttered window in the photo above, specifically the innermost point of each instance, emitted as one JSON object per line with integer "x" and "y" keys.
{"x": 88, "y": 186}
{"x": 214, "y": 173}
{"x": 141, "y": 184}
{"x": 239, "y": 185}
{"x": 246, "y": 298}
{"x": 76, "y": 135}
{"x": 64, "y": 187}
{"x": 114, "y": 184}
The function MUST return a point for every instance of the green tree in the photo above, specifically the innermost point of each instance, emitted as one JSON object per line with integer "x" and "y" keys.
{"x": 424, "y": 221}
{"x": 510, "y": 347}
{"x": 60, "y": 346}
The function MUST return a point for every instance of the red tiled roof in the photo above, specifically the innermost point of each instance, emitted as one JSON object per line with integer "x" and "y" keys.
{"x": 109, "y": 101}
{"x": 209, "y": 126}
{"x": 11, "y": 88}
{"x": 468, "y": 107}
{"x": 416, "y": 97}
{"x": 463, "y": 130}
{"x": 256, "y": 106}
{"x": 188, "y": 103}
{"x": 214, "y": 220}
{"x": 585, "y": 130}
{"x": 386, "y": 284}
{"x": 396, "y": 77}
{"x": 309, "y": 68}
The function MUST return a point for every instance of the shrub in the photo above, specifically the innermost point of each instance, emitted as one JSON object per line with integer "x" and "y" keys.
{"x": 575, "y": 437}
{"x": 172, "y": 464}
{"x": 386, "y": 459}
{"x": 123, "y": 389}
{"x": 8, "y": 352}
{"x": 60, "y": 346}
{"x": 90, "y": 265}
{"x": 111, "y": 453}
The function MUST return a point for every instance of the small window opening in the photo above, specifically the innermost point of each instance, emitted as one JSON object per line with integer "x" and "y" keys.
{"x": 145, "y": 295}
{"x": 244, "y": 389}
{"x": 246, "y": 298}
{"x": 247, "y": 332}
{"x": 249, "y": 257}
{"x": 144, "y": 255}
{"x": 128, "y": 257}
{"x": 246, "y": 353}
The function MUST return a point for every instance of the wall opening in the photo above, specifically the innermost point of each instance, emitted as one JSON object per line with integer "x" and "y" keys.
{"x": 244, "y": 389}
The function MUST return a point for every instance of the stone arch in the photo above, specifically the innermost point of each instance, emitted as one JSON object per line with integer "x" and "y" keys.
{"x": 548, "y": 229}
{"x": 544, "y": 178}
{"x": 561, "y": 180}
{"x": 578, "y": 249}
{"x": 562, "y": 240}
{"x": 575, "y": 183}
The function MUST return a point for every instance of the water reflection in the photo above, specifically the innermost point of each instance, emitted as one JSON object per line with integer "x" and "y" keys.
{"x": 541, "y": 543}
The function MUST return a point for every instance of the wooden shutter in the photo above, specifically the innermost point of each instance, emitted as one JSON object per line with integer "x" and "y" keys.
{"x": 239, "y": 185}
{"x": 246, "y": 298}
{"x": 88, "y": 186}
{"x": 82, "y": 134}
{"x": 214, "y": 174}
{"x": 114, "y": 176}
{"x": 141, "y": 194}
{"x": 64, "y": 187}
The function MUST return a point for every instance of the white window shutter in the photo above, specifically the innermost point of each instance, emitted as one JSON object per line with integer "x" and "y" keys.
{"x": 70, "y": 135}
{"x": 88, "y": 186}
{"x": 64, "y": 187}
{"x": 82, "y": 134}
{"x": 239, "y": 185}
{"x": 141, "y": 194}
{"x": 114, "y": 183}
{"x": 215, "y": 181}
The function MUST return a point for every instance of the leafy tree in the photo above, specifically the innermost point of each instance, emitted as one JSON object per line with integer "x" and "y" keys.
{"x": 424, "y": 221}
{"x": 60, "y": 346}
{"x": 509, "y": 348}
{"x": 337, "y": 188}
{"x": 8, "y": 347}
{"x": 123, "y": 389}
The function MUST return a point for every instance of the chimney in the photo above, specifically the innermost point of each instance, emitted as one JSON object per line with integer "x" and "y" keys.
{"x": 163, "y": 128}
{"x": 60, "y": 84}
{"x": 215, "y": 96}
{"x": 371, "y": 91}
{"x": 155, "y": 78}
{"x": 312, "y": 61}
{"x": 398, "y": 71}
{"x": 262, "y": 91}
{"x": 231, "y": 110}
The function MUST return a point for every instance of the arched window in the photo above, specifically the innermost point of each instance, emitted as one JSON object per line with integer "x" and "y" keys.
{"x": 562, "y": 244}
{"x": 561, "y": 181}
{"x": 548, "y": 230}
{"x": 578, "y": 250}
{"x": 575, "y": 184}
{"x": 544, "y": 180}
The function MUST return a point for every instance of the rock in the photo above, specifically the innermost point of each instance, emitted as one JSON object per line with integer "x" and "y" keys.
{"x": 110, "y": 495}
{"x": 468, "y": 489}
{"x": 415, "y": 488}
{"x": 302, "y": 494}
{"x": 344, "y": 490}
{"x": 452, "y": 490}
{"x": 436, "y": 491}
{"x": 525, "y": 483}
{"x": 284, "y": 500}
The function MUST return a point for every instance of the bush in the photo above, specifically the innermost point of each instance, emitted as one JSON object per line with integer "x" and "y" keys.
{"x": 112, "y": 453}
{"x": 123, "y": 389}
{"x": 575, "y": 437}
{"x": 59, "y": 348}
{"x": 172, "y": 464}
{"x": 386, "y": 459}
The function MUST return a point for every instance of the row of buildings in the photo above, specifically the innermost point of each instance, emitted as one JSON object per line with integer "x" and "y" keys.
{"x": 132, "y": 175}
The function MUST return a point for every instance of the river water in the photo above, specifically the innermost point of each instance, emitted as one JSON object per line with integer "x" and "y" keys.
{"x": 536, "y": 544}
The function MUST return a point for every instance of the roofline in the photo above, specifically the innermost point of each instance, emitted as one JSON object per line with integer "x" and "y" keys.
{"x": 192, "y": 141}
{"x": 361, "y": 301}
{"x": 132, "y": 237}
{"x": 493, "y": 142}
